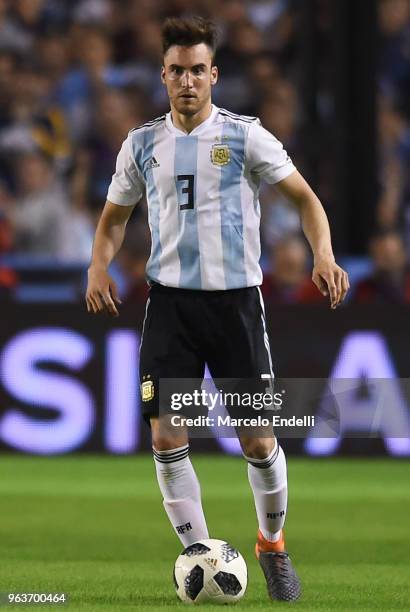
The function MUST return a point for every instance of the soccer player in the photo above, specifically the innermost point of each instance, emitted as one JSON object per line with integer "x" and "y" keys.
{"x": 200, "y": 167}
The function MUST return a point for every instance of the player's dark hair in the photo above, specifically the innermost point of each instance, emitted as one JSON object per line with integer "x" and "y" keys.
{"x": 188, "y": 31}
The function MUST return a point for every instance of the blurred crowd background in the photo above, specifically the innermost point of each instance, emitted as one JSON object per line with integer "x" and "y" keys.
{"x": 77, "y": 75}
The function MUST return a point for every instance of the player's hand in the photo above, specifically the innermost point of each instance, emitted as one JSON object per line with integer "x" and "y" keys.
{"x": 102, "y": 294}
{"x": 331, "y": 280}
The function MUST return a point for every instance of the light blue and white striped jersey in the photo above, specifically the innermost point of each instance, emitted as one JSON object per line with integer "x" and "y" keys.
{"x": 202, "y": 194}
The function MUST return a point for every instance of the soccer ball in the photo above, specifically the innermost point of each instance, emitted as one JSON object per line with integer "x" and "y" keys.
{"x": 210, "y": 570}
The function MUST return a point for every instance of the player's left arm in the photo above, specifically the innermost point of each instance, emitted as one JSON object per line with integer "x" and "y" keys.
{"x": 329, "y": 278}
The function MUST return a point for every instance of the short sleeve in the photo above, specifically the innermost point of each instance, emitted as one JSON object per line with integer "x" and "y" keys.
{"x": 127, "y": 185}
{"x": 266, "y": 156}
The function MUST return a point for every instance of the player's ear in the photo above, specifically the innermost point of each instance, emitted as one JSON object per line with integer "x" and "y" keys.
{"x": 163, "y": 74}
{"x": 214, "y": 75}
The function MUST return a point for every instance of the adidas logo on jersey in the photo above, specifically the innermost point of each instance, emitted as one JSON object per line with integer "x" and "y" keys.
{"x": 152, "y": 163}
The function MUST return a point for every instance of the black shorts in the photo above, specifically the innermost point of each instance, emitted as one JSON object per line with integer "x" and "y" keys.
{"x": 185, "y": 329}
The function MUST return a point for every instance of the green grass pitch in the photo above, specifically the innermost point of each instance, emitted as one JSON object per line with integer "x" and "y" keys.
{"x": 95, "y": 528}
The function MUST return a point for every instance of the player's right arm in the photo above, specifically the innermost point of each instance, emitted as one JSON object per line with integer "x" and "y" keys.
{"x": 102, "y": 292}
{"x": 126, "y": 189}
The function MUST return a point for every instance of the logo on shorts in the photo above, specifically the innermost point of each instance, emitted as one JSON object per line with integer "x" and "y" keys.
{"x": 147, "y": 390}
{"x": 220, "y": 155}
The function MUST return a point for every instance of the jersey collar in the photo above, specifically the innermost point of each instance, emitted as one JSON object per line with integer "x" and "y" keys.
{"x": 199, "y": 128}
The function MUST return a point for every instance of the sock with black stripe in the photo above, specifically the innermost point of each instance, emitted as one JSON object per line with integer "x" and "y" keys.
{"x": 268, "y": 480}
{"x": 182, "y": 494}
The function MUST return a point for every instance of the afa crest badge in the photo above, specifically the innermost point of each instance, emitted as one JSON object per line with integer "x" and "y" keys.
{"x": 220, "y": 155}
{"x": 147, "y": 390}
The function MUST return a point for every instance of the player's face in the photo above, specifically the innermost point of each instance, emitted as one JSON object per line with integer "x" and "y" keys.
{"x": 189, "y": 75}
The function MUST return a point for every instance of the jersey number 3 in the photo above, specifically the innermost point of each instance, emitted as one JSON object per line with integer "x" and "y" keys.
{"x": 188, "y": 189}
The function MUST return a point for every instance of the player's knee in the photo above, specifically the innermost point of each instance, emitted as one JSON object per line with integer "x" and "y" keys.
{"x": 257, "y": 448}
{"x": 165, "y": 443}
{"x": 164, "y": 438}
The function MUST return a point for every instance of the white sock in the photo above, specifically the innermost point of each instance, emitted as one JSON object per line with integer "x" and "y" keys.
{"x": 268, "y": 479}
{"x": 182, "y": 494}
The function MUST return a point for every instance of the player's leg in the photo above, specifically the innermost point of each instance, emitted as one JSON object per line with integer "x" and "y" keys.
{"x": 178, "y": 482}
{"x": 245, "y": 354}
{"x": 267, "y": 474}
{"x": 240, "y": 359}
{"x": 167, "y": 353}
